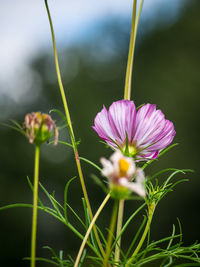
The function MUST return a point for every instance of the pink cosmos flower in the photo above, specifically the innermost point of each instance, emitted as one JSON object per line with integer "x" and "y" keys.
{"x": 141, "y": 133}
{"x": 120, "y": 170}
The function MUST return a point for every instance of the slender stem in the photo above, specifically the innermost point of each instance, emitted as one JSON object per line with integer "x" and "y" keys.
{"x": 127, "y": 96}
{"x": 127, "y": 90}
{"x": 129, "y": 69}
{"x": 59, "y": 75}
{"x": 90, "y": 229}
{"x": 111, "y": 233}
{"x": 35, "y": 202}
{"x": 119, "y": 227}
{"x": 151, "y": 208}
{"x": 71, "y": 128}
{"x": 138, "y": 16}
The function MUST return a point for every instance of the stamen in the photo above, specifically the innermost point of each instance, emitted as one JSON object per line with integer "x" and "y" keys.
{"x": 123, "y": 167}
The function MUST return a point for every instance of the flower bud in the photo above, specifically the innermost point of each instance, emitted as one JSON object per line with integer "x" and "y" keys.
{"x": 39, "y": 128}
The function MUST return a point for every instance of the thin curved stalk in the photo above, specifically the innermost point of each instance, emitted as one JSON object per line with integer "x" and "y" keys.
{"x": 90, "y": 229}
{"x": 129, "y": 69}
{"x": 71, "y": 128}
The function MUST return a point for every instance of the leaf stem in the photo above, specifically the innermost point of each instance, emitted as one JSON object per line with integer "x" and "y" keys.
{"x": 111, "y": 233}
{"x": 71, "y": 128}
{"x": 151, "y": 209}
{"x": 90, "y": 229}
{"x": 35, "y": 202}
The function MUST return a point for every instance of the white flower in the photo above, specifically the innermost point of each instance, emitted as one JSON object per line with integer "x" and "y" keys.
{"x": 120, "y": 170}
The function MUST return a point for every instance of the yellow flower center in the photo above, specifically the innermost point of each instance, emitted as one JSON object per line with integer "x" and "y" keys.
{"x": 132, "y": 150}
{"x": 123, "y": 167}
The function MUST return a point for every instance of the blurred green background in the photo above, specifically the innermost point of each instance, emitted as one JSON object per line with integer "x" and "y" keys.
{"x": 166, "y": 72}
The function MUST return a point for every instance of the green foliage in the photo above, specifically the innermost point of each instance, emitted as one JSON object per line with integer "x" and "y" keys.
{"x": 156, "y": 192}
{"x": 57, "y": 260}
{"x": 152, "y": 252}
{"x": 14, "y": 126}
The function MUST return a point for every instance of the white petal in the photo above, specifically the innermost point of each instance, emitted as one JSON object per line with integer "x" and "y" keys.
{"x": 132, "y": 168}
{"x": 108, "y": 168}
{"x": 116, "y": 156}
{"x": 140, "y": 177}
{"x": 124, "y": 182}
{"x": 135, "y": 187}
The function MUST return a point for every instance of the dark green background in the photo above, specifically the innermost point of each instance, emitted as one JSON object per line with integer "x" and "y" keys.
{"x": 166, "y": 72}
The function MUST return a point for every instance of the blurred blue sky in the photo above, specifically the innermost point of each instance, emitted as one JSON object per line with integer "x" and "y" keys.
{"x": 25, "y": 31}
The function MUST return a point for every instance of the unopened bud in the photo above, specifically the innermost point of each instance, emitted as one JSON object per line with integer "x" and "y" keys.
{"x": 39, "y": 128}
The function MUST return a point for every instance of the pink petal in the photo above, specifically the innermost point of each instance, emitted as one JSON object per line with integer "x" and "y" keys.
{"x": 122, "y": 118}
{"x": 152, "y": 127}
{"x": 149, "y": 124}
{"x": 103, "y": 128}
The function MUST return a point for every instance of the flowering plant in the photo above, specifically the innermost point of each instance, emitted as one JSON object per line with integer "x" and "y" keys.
{"x": 120, "y": 170}
{"x": 140, "y": 134}
{"x": 137, "y": 137}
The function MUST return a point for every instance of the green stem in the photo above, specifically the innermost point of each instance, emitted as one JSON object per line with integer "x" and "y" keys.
{"x": 127, "y": 96}
{"x": 151, "y": 208}
{"x": 71, "y": 128}
{"x": 119, "y": 228}
{"x": 129, "y": 69}
{"x": 127, "y": 90}
{"x": 35, "y": 202}
{"x": 90, "y": 229}
{"x": 111, "y": 233}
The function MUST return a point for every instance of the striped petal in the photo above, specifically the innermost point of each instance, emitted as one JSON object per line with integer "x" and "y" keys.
{"x": 152, "y": 131}
{"x": 122, "y": 118}
{"x": 103, "y": 127}
{"x": 147, "y": 129}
